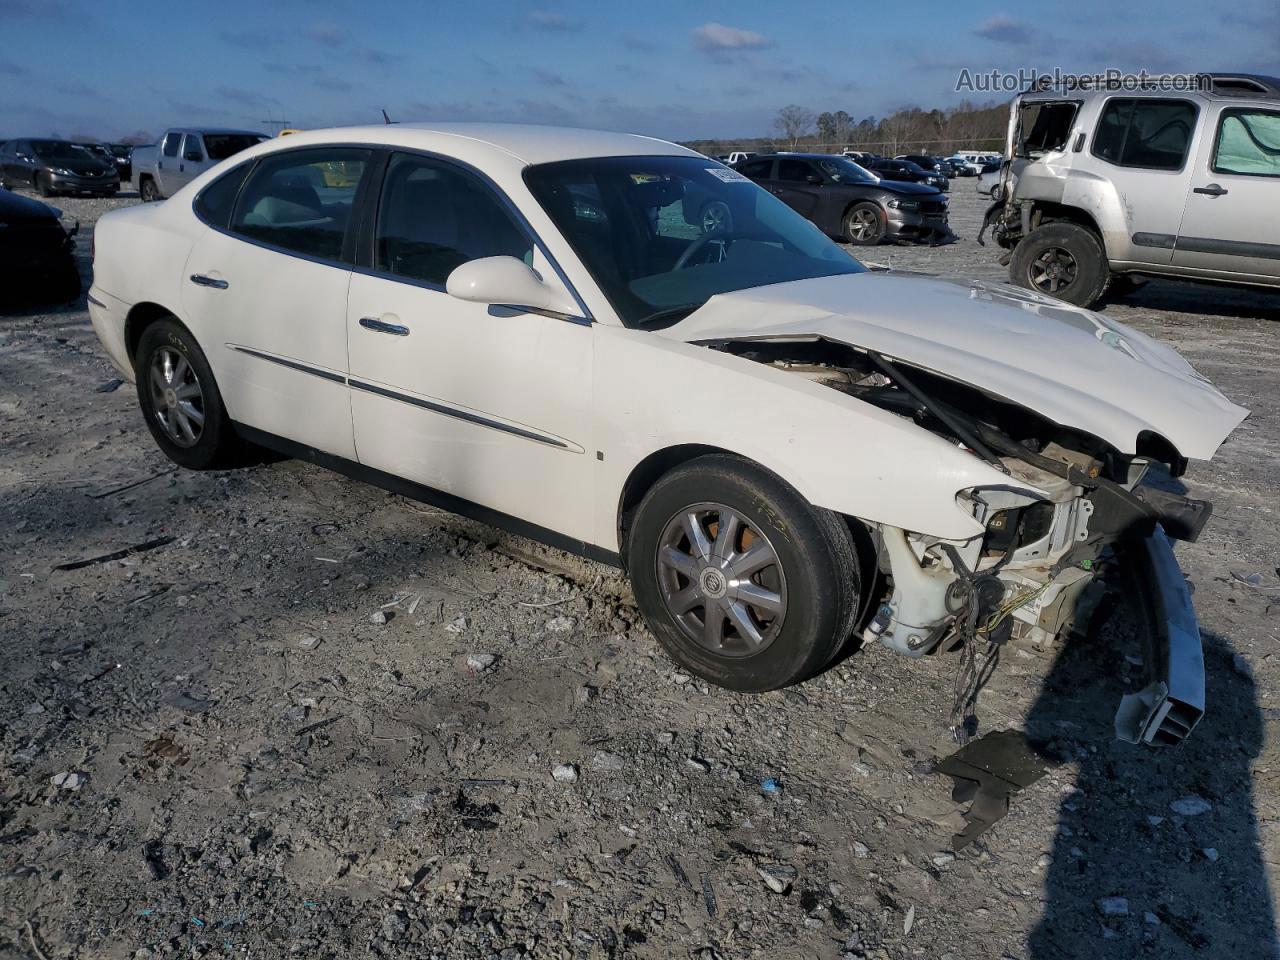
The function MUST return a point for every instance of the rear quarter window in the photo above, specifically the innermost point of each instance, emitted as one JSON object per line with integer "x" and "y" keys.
{"x": 216, "y": 201}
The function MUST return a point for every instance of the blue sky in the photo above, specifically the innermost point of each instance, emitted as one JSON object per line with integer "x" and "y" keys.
{"x": 698, "y": 68}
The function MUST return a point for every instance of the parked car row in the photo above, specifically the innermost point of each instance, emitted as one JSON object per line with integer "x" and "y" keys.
{"x": 56, "y": 166}
{"x": 848, "y": 201}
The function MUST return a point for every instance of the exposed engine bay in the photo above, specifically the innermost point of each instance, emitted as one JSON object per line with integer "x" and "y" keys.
{"x": 1072, "y": 502}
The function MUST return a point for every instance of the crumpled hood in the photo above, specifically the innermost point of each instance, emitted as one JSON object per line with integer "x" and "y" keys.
{"x": 1073, "y": 366}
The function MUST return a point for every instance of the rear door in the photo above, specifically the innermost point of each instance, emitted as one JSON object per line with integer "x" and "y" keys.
{"x": 1143, "y": 145}
{"x": 266, "y": 290}
{"x": 1228, "y": 224}
{"x": 794, "y": 186}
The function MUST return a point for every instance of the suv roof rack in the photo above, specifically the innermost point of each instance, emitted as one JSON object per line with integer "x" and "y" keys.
{"x": 1245, "y": 83}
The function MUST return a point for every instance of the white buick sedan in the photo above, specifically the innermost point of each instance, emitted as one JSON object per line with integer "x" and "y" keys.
{"x": 624, "y": 349}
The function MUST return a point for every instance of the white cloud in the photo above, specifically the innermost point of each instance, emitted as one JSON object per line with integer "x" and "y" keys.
{"x": 716, "y": 38}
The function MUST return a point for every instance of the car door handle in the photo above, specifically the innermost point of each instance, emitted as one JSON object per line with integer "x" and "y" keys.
{"x": 1212, "y": 190}
{"x": 200, "y": 280}
{"x": 381, "y": 326}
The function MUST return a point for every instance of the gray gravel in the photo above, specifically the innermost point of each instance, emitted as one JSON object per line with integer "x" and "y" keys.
{"x": 215, "y": 748}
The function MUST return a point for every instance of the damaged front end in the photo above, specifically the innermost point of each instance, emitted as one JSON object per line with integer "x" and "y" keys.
{"x": 1072, "y": 505}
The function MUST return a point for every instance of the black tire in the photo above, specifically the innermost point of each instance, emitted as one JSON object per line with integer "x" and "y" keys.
{"x": 43, "y": 185}
{"x": 216, "y": 444}
{"x": 147, "y": 190}
{"x": 864, "y": 224}
{"x": 1074, "y": 251}
{"x": 815, "y": 558}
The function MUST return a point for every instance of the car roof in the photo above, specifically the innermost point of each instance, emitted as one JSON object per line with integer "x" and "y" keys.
{"x": 489, "y": 146}
{"x": 217, "y": 130}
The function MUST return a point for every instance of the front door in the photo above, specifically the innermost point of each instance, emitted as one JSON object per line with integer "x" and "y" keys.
{"x": 168, "y": 160}
{"x": 1228, "y": 224}
{"x": 191, "y": 161}
{"x": 489, "y": 404}
{"x": 270, "y": 292}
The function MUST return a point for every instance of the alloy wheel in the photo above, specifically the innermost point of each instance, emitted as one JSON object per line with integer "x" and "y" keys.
{"x": 176, "y": 397}
{"x": 721, "y": 580}
{"x": 863, "y": 224}
{"x": 1053, "y": 269}
{"x": 715, "y": 216}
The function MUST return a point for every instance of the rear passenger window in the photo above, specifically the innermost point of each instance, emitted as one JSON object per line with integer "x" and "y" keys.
{"x": 1248, "y": 143}
{"x": 794, "y": 171}
{"x": 215, "y": 201}
{"x": 301, "y": 201}
{"x": 1148, "y": 133}
{"x": 756, "y": 169}
{"x": 433, "y": 217}
{"x": 171, "y": 141}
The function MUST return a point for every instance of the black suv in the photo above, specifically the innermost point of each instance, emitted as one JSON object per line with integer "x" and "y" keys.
{"x": 846, "y": 201}
{"x": 56, "y": 166}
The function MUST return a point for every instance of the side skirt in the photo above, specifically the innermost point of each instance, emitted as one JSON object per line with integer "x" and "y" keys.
{"x": 428, "y": 495}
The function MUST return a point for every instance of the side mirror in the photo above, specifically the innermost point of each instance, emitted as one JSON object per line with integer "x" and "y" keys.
{"x": 502, "y": 281}
{"x": 193, "y": 157}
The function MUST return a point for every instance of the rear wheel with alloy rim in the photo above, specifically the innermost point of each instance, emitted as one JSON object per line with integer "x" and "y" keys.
{"x": 743, "y": 582}
{"x": 864, "y": 224}
{"x": 180, "y": 399}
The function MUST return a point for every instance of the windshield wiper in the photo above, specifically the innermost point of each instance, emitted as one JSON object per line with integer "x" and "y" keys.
{"x": 680, "y": 312}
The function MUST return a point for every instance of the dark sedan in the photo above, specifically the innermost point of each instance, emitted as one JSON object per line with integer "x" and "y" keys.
{"x": 36, "y": 261}
{"x": 846, "y": 201}
{"x": 56, "y": 166}
{"x": 906, "y": 171}
{"x": 116, "y": 154}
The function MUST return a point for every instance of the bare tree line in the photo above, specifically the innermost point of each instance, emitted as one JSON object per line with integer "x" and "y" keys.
{"x": 908, "y": 130}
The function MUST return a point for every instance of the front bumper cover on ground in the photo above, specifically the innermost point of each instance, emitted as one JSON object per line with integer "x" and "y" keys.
{"x": 1167, "y": 709}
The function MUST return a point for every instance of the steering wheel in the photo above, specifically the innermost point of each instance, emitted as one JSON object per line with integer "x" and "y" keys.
{"x": 701, "y": 241}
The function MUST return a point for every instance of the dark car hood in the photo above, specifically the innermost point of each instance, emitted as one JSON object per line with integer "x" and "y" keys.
{"x": 15, "y": 208}
{"x": 909, "y": 187}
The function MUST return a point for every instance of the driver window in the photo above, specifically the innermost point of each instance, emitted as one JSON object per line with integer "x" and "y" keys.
{"x": 794, "y": 171}
{"x": 433, "y": 217}
{"x": 191, "y": 148}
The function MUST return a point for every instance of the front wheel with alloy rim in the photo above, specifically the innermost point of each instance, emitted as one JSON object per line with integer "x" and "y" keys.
{"x": 148, "y": 190}
{"x": 180, "y": 399}
{"x": 1063, "y": 260}
{"x": 864, "y": 224}
{"x": 742, "y": 581}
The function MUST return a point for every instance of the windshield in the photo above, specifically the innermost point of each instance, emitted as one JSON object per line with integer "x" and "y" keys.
{"x": 58, "y": 150}
{"x": 662, "y": 235}
{"x": 843, "y": 170}
{"x": 222, "y": 145}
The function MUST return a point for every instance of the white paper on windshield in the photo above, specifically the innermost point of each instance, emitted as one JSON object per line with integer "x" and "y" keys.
{"x": 727, "y": 175}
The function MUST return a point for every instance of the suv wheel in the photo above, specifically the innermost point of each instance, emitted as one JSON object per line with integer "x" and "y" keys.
{"x": 180, "y": 399}
{"x": 864, "y": 225}
{"x": 148, "y": 190}
{"x": 1063, "y": 260}
{"x": 742, "y": 581}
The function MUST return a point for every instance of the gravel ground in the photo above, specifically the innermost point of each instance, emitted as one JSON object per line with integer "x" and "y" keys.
{"x": 323, "y": 721}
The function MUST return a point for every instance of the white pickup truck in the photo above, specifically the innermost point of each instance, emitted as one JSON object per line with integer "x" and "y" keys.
{"x": 183, "y": 154}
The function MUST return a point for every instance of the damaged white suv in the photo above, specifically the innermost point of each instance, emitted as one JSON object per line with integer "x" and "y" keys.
{"x": 545, "y": 330}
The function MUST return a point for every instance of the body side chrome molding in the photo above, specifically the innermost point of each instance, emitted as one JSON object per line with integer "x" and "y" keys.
{"x": 434, "y": 406}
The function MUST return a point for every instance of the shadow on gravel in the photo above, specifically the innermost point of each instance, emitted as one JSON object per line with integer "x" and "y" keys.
{"x": 1157, "y": 851}
{"x": 1201, "y": 298}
